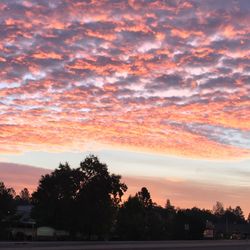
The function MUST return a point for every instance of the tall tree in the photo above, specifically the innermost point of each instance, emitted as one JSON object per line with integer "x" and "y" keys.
{"x": 233, "y": 216}
{"x": 140, "y": 219}
{"x": 218, "y": 209}
{"x": 169, "y": 219}
{"x": 145, "y": 197}
{"x": 54, "y": 199}
{"x": 98, "y": 198}
{"x": 190, "y": 223}
{"x": 6, "y": 200}
{"x": 25, "y": 194}
{"x": 239, "y": 213}
{"x": 248, "y": 218}
{"x": 131, "y": 223}
{"x": 24, "y": 197}
{"x": 7, "y": 207}
{"x": 84, "y": 199}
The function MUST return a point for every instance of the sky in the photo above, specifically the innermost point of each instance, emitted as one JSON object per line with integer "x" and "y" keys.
{"x": 159, "y": 90}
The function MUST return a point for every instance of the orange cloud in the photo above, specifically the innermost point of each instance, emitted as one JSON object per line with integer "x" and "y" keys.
{"x": 43, "y": 55}
{"x": 185, "y": 33}
{"x": 168, "y": 77}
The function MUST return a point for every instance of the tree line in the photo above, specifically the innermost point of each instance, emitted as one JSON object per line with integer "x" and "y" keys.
{"x": 87, "y": 201}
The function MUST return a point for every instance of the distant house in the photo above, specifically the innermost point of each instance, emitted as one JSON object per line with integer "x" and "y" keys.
{"x": 49, "y": 233}
{"x": 232, "y": 231}
{"x": 209, "y": 232}
{"x": 24, "y": 211}
{"x": 46, "y": 233}
{"x": 24, "y": 227}
{"x": 226, "y": 231}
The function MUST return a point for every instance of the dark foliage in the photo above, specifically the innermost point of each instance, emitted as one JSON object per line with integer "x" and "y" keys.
{"x": 7, "y": 209}
{"x": 86, "y": 201}
{"x": 79, "y": 200}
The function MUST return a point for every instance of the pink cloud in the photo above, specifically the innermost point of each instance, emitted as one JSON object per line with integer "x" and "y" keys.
{"x": 19, "y": 176}
{"x": 114, "y": 73}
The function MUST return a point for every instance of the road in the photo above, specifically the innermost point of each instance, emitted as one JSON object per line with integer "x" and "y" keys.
{"x": 151, "y": 245}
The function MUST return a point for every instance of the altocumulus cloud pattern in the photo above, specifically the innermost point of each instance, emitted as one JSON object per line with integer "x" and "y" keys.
{"x": 162, "y": 76}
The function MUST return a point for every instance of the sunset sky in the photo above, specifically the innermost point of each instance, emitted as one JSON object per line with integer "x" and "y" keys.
{"x": 159, "y": 90}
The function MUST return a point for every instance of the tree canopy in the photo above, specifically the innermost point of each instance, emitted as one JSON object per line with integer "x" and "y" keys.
{"x": 82, "y": 199}
{"x": 7, "y": 207}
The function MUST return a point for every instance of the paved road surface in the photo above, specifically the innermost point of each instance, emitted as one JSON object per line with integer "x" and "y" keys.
{"x": 159, "y": 245}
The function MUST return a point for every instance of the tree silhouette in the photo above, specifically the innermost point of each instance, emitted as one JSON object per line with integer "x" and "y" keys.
{"x": 218, "y": 209}
{"x": 145, "y": 197}
{"x": 83, "y": 200}
{"x": 232, "y": 216}
{"x": 98, "y": 198}
{"x": 140, "y": 219}
{"x": 7, "y": 208}
{"x": 131, "y": 223}
{"x": 190, "y": 223}
{"x": 24, "y": 197}
{"x": 169, "y": 219}
{"x": 54, "y": 199}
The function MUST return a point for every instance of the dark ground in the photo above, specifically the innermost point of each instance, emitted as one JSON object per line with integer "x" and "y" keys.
{"x": 179, "y": 245}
